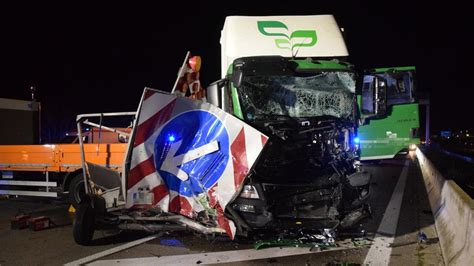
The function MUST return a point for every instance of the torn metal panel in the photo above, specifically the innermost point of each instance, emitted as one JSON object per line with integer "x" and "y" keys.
{"x": 189, "y": 158}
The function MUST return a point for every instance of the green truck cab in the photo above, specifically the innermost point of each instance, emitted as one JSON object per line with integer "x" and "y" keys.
{"x": 288, "y": 77}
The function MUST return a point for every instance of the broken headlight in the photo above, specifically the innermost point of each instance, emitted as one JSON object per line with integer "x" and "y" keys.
{"x": 249, "y": 192}
{"x": 244, "y": 207}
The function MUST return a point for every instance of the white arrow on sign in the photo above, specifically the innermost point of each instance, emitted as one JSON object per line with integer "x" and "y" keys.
{"x": 172, "y": 162}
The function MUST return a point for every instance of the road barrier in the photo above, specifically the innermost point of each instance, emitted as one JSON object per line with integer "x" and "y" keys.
{"x": 453, "y": 211}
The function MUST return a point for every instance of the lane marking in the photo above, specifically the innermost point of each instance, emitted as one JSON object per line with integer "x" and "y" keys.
{"x": 380, "y": 251}
{"x": 112, "y": 250}
{"x": 217, "y": 257}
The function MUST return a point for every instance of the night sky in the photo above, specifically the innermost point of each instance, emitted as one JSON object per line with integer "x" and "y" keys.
{"x": 87, "y": 58}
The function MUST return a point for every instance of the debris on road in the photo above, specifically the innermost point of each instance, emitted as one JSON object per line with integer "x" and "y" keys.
{"x": 19, "y": 222}
{"x": 422, "y": 238}
{"x": 362, "y": 242}
{"x": 35, "y": 223}
{"x": 39, "y": 223}
{"x": 325, "y": 239}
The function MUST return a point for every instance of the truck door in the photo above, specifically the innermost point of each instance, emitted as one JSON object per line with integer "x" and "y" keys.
{"x": 388, "y": 112}
{"x": 385, "y": 87}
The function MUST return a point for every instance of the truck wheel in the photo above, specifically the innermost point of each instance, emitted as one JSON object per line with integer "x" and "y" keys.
{"x": 77, "y": 191}
{"x": 84, "y": 222}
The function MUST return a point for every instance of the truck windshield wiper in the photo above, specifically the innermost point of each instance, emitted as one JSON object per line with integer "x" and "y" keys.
{"x": 274, "y": 118}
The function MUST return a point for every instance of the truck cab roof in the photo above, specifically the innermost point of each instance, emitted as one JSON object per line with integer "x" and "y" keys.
{"x": 287, "y": 36}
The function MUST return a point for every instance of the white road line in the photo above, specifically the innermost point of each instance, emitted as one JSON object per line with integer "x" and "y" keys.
{"x": 380, "y": 251}
{"x": 113, "y": 250}
{"x": 216, "y": 257}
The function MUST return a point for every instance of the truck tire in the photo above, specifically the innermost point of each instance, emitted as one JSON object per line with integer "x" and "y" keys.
{"x": 84, "y": 223}
{"x": 77, "y": 191}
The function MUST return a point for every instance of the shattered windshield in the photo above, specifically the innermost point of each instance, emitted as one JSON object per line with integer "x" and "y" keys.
{"x": 326, "y": 93}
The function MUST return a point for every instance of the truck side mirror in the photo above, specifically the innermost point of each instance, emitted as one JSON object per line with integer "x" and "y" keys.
{"x": 380, "y": 95}
{"x": 374, "y": 96}
{"x": 237, "y": 74}
{"x": 215, "y": 93}
{"x": 385, "y": 87}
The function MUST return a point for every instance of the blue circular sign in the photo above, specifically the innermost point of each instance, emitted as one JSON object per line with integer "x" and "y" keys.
{"x": 191, "y": 152}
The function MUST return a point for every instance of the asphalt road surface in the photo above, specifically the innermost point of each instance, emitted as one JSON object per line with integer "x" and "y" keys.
{"x": 400, "y": 212}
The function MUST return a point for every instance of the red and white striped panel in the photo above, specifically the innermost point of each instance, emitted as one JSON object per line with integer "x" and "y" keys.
{"x": 157, "y": 109}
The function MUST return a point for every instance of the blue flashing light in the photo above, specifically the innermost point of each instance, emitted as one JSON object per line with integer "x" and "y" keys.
{"x": 171, "y": 138}
{"x": 356, "y": 140}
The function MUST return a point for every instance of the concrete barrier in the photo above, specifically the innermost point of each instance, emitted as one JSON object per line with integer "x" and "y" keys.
{"x": 453, "y": 212}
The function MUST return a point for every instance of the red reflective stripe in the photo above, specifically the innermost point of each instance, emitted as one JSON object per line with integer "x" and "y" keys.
{"x": 181, "y": 205}
{"x": 212, "y": 196}
{"x": 140, "y": 171}
{"x": 264, "y": 140}
{"x": 186, "y": 208}
{"x": 159, "y": 192}
{"x": 148, "y": 94}
{"x": 223, "y": 221}
{"x": 239, "y": 158}
{"x": 147, "y": 128}
{"x": 174, "y": 204}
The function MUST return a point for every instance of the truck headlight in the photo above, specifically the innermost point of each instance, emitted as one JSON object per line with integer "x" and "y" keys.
{"x": 249, "y": 192}
{"x": 244, "y": 207}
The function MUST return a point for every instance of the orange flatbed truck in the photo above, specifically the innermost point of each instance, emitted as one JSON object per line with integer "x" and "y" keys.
{"x": 52, "y": 170}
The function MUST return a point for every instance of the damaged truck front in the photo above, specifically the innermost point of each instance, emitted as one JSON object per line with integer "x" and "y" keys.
{"x": 298, "y": 90}
{"x": 306, "y": 176}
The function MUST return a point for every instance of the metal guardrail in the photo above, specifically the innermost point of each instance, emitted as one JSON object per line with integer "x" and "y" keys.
{"x": 453, "y": 154}
{"x": 458, "y": 156}
{"x": 453, "y": 211}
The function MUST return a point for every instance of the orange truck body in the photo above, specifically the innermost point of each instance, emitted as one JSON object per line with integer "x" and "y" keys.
{"x": 46, "y": 170}
{"x": 60, "y": 157}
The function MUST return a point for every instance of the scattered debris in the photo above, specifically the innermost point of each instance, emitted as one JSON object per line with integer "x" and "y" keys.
{"x": 356, "y": 215}
{"x": 34, "y": 223}
{"x": 39, "y": 223}
{"x": 19, "y": 222}
{"x": 422, "y": 238}
{"x": 324, "y": 239}
{"x": 362, "y": 242}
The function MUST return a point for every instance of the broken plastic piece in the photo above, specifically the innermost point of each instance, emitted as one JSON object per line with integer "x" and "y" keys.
{"x": 422, "y": 238}
{"x": 361, "y": 242}
{"x": 325, "y": 239}
{"x": 355, "y": 216}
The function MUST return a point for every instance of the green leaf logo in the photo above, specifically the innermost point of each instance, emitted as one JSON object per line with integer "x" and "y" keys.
{"x": 299, "y": 38}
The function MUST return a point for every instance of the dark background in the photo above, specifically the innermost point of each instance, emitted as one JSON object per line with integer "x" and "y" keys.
{"x": 87, "y": 58}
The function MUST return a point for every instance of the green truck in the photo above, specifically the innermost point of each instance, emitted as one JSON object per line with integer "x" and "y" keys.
{"x": 388, "y": 112}
{"x": 289, "y": 77}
